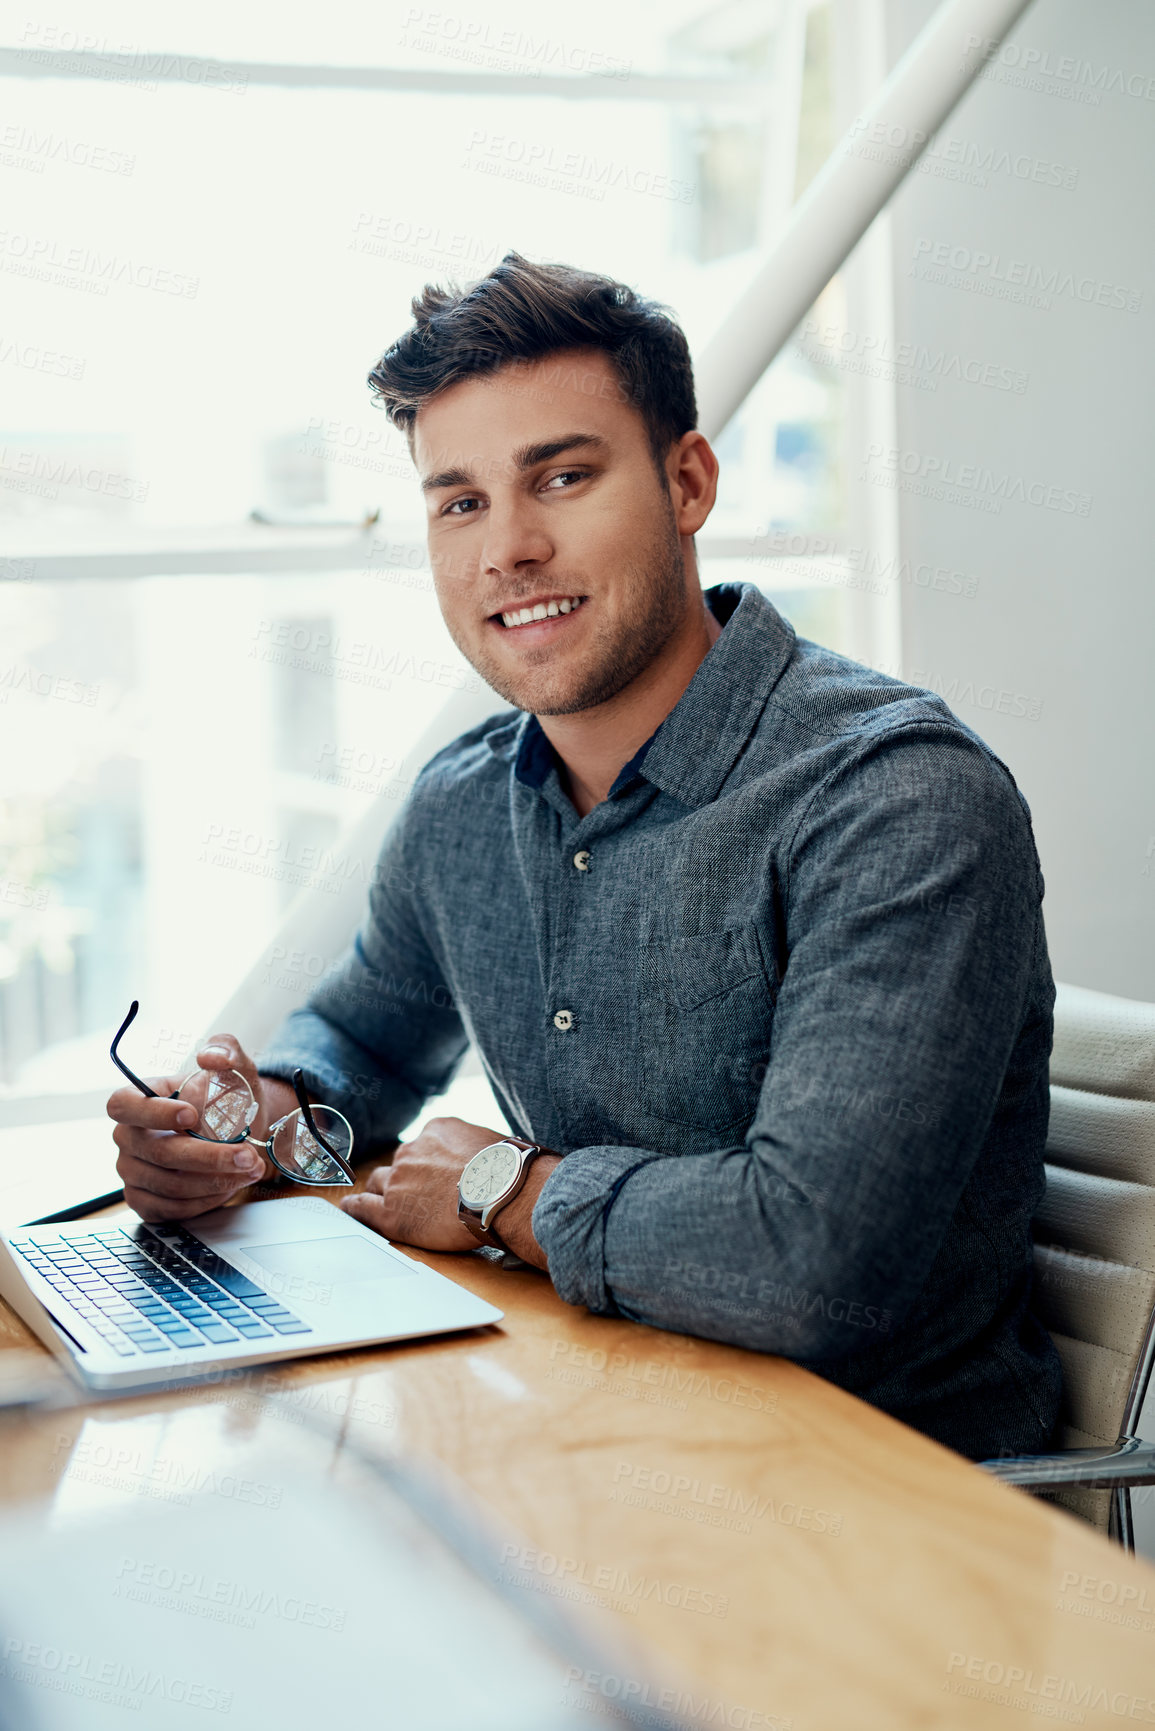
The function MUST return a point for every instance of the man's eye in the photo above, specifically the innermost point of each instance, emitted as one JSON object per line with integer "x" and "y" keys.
{"x": 568, "y": 476}
{"x": 451, "y": 508}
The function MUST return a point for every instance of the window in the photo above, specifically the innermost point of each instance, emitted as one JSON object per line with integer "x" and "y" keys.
{"x": 211, "y": 664}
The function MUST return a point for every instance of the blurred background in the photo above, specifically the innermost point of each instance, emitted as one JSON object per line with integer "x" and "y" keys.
{"x": 210, "y": 667}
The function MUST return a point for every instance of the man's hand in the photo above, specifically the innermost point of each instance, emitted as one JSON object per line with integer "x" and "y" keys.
{"x": 415, "y": 1199}
{"x": 172, "y": 1176}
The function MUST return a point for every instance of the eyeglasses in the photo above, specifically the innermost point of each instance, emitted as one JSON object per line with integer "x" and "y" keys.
{"x": 310, "y": 1145}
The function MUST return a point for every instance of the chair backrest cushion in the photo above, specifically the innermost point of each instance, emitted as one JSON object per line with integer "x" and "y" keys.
{"x": 1095, "y": 1229}
{"x": 1104, "y": 1044}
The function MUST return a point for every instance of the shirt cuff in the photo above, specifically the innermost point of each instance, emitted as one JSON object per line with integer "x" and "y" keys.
{"x": 570, "y": 1215}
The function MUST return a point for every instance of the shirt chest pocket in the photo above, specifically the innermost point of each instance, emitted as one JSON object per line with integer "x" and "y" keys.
{"x": 705, "y": 1004}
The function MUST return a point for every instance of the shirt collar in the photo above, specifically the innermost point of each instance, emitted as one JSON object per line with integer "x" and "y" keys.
{"x": 694, "y": 748}
{"x": 536, "y": 757}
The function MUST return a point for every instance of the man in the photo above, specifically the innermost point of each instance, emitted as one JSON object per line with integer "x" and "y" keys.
{"x": 748, "y": 937}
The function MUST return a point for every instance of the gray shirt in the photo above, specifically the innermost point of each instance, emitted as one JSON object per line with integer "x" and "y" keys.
{"x": 782, "y": 1000}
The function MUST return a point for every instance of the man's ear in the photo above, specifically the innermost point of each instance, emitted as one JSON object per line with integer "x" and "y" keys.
{"x": 692, "y": 470}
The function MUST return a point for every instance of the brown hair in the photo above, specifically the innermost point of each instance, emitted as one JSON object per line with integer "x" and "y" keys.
{"x": 522, "y": 312}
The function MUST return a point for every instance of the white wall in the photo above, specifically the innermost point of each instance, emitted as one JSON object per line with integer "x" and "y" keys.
{"x": 1064, "y": 614}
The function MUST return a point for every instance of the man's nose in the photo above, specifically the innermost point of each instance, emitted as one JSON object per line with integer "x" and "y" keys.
{"x": 513, "y": 538}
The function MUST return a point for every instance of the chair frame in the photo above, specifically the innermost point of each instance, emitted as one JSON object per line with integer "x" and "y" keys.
{"x": 1120, "y": 1469}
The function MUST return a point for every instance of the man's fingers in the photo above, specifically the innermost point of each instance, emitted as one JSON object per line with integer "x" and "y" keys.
{"x": 378, "y": 1180}
{"x": 225, "y": 1052}
{"x": 236, "y": 1161}
{"x": 187, "y": 1186}
{"x": 367, "y": 1208}
{"x": 127, "y": 1106}
{"x": 220, "y": 1052}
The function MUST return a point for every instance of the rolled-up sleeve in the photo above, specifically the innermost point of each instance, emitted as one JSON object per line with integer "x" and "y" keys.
{"x": 911, "y": 891}
{"x": 571, "y": 1214}
{"x": 380, "y": 1033}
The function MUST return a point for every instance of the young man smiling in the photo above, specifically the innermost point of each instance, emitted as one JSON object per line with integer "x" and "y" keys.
{"x": 748, "y": 937}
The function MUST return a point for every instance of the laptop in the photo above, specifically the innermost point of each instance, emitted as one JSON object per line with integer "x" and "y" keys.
{"x": 129, "y": 1305}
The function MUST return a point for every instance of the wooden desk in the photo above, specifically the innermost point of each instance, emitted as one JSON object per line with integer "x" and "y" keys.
{"x": 800, "y": 1556}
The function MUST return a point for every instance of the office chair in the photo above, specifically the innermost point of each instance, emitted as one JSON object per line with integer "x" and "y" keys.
{"x": 1095, "y": 1257}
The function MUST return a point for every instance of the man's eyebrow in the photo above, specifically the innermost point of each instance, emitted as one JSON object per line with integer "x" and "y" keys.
{"x": 529, "y": 456}
{"x": 525, "y": 457}
{"x": 446, "y": 478}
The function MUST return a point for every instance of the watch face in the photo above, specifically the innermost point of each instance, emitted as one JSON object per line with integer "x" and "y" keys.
{"x": 489, "y": 1174}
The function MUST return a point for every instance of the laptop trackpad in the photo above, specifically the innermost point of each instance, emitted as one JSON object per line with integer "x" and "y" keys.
{"x": 346, "y": 1257}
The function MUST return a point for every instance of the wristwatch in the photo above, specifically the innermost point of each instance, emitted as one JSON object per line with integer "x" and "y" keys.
{"x": 491, "y": 1179}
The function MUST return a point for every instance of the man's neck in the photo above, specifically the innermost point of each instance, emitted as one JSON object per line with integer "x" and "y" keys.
{"x": 595, "y": 743}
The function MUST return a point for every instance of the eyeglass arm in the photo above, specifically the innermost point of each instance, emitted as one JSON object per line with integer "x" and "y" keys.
{"x": 119, "y": 1062}
{"x": 311, "y": 1123}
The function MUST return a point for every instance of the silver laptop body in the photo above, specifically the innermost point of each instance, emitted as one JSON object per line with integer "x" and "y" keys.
{"x": 129, "y": 1305}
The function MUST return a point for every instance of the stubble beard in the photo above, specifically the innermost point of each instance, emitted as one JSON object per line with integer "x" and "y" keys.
{"x": 655, "y": 588}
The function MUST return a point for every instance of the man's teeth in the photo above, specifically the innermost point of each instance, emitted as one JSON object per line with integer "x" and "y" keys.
{"x": 543, "y": 610}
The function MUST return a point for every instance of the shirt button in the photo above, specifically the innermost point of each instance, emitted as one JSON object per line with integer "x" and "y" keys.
{"x": 563, "y": 1019}
{"x": 582, "y": 860}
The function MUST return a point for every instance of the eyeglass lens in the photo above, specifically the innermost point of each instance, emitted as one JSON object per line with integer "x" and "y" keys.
{"x": 225, "y": 1103}
{"x": 297, "y": 1149}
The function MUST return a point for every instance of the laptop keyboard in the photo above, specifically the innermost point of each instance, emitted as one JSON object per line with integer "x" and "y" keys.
{"x": 144, "y": 1294}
